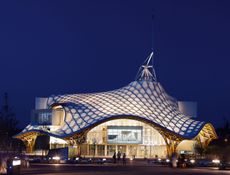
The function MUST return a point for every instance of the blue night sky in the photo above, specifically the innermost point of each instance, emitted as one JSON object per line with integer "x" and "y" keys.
{"x": 56, "y": 47}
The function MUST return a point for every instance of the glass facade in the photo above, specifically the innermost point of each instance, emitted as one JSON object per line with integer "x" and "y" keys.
{"x": 135, "y": 138}
{"x": 110, "y": 150}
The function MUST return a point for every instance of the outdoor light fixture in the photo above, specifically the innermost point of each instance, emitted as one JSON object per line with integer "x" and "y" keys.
{"x": 56, "y": 158}
{"x": 16, "y": 162}
{"x": 192, "y": 161}
{"x": 217, "y": 161}
{"x": 167, "y": 160}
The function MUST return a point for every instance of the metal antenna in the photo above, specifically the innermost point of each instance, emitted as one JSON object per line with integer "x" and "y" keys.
{"x": 146, "y": 71}
{"x": 152, "y": 29}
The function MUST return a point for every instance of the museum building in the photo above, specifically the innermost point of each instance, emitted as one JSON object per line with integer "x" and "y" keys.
{"x": 139, "y": 119}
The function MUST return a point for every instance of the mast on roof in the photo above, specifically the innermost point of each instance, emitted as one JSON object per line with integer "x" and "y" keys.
{"x": 146, "y": 71}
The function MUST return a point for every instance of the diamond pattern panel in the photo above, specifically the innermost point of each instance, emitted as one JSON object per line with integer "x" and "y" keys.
{"x": 142, "y": 99}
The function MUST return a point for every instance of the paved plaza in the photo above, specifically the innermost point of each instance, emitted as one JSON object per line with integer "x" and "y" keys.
{"x": 110, "y": 169}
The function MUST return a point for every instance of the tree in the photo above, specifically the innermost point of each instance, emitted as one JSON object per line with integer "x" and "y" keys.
{"x": 42, "y": 143}
{"x": 8, "y": 128}
{"x": 221, "y": 147}
{"x": 199, "y": 149}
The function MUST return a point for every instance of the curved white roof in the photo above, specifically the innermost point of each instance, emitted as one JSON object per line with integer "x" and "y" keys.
{"x": 144, "y": 99}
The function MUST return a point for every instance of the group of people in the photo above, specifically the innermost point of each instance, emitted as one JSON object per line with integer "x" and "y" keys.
{"x": 117, "y": 157}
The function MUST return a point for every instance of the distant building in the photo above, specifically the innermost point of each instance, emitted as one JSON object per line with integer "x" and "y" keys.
{"x": 140, "y": 119}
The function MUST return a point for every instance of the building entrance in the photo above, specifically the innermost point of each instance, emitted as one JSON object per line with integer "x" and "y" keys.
{"x": 135, "y": 138}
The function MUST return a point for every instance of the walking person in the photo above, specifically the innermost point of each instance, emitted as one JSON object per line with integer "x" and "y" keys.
{"x": 124, "y": 159}
{"x": 114, "y": 157}
{"x": 118, "y": 156}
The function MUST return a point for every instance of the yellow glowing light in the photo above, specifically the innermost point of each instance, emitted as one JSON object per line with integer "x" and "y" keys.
{"x": 56, "y": 158}
{"x": 216, "y": 161}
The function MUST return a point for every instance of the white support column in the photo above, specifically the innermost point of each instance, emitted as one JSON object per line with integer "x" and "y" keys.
{"x": 96, "y": 150}
{"x": 116, "y": 148}
{"x": 105, "y": 149}
{"x": 127, "y": 150}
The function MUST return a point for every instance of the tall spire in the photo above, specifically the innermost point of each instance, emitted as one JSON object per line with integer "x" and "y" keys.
{"x": 146, "y": 71}
{"x": 152, "y": 29}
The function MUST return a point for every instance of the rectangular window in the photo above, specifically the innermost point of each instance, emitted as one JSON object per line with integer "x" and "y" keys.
{"x": 41, "y": 117}
{"x": 101, "y": 150}
{"x": 110, "y": 150}
{"x": 92, "y": 150}
{"x": 125, "y": 134}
